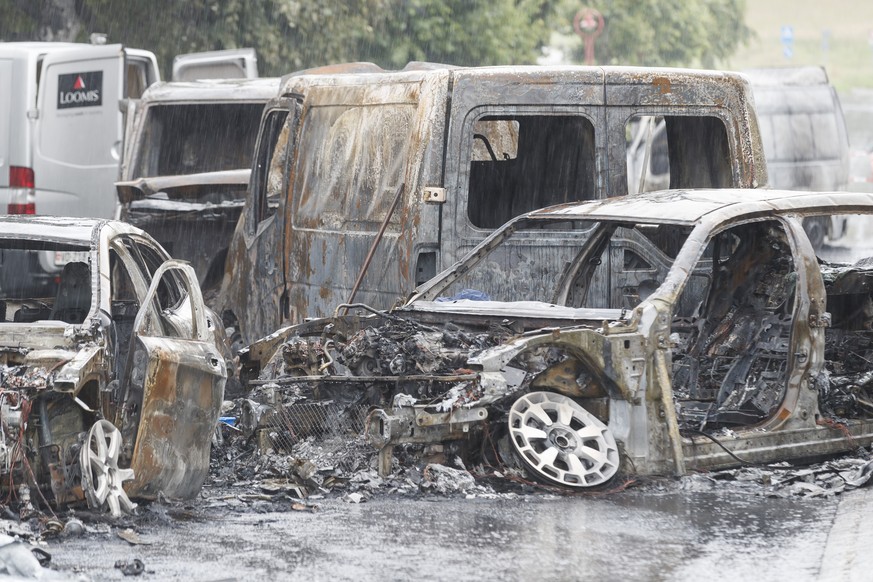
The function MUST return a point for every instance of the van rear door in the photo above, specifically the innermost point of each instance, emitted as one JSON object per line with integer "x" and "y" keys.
{"x": 78, "y": 132}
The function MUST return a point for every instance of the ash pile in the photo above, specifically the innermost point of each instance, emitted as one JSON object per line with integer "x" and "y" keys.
{"x": 302, "y": 430}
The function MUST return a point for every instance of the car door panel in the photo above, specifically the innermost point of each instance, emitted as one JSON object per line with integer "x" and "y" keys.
{"x": 181, "y": 382}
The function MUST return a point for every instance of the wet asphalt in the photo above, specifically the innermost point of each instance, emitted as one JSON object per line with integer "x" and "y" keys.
{"x": 669, "y": 534}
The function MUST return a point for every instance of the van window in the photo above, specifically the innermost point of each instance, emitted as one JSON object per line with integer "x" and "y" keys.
{"x": 671, "y": 152}
{"x": 521, "y": 163}
{"x": 192, "y": 138}
{"x": 349, "y": 172}
{"x": 136, "y": 79}
{"x": 270, "y": 166}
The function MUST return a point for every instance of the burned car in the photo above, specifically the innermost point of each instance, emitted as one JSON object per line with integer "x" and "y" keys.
{"x": 111, "y": 388}
{"x": 662, "y": 333}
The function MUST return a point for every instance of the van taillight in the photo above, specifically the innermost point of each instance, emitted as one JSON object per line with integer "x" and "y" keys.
{"x": 29, "y": 208}
{"x": 20, "y": 177}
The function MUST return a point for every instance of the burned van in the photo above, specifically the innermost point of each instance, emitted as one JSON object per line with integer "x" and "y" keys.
{"x": 367, "y": 182}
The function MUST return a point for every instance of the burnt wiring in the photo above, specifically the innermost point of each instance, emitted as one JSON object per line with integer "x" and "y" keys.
{"x": 19, "y": 455}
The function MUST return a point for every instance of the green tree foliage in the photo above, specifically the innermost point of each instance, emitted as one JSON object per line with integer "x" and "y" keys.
{"x": 667, "y": 32}
{"x": 460, "y": 32}
{"x": 294, "y": 34}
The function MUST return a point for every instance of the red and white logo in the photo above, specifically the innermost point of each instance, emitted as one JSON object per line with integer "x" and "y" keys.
{"x": 80, "y": 89}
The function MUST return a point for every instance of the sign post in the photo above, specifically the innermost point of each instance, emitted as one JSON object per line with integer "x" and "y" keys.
{"x": 588, "y": 24}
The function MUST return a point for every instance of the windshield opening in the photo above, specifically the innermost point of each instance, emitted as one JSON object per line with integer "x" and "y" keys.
{"x": 41, "y": 280}
{"x": 194, "y": 138}
{"x": 573, "y": 263}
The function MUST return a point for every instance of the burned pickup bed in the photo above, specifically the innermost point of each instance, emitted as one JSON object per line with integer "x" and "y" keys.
{"x": 685, "y": 331}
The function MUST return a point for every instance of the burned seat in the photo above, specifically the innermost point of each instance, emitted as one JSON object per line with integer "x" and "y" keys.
{"x": 73, "y": 300}
{"x": 737, "y": 361}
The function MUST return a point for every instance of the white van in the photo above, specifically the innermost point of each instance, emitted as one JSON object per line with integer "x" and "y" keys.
{"x": 61, "y": 124}
{"x": 802, "y": 127}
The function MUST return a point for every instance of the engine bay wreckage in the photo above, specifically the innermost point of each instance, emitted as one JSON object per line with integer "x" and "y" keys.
{"x": 110, "y": 386}
{"x": 683, "y": 331}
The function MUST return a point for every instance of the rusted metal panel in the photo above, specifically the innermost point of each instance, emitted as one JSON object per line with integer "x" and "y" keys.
{"x": 180, "y": 406}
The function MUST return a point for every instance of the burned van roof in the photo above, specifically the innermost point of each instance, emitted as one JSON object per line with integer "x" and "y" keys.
{"x": 416, "y": 71}
{"x": 691, "y": 206}
{"x": 261, "y": 89}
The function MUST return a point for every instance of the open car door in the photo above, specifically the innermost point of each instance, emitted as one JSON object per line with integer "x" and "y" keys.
{"x": 175, "y": 384}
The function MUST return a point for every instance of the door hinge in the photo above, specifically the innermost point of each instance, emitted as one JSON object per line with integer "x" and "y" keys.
{"x": 433, "y": 195}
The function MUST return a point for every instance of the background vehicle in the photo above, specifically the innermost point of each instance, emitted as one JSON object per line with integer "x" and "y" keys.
{"x": 804, "y": 133}
{"x": 187, "y": 165}
{"x": 226, "y": 64}
{"x": 61, "y": 124}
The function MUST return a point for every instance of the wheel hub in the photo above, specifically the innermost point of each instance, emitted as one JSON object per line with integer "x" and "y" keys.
{"x": 562, "y": 437}
{"x": 561, "y": 442}
{"x": 102, "y": 479}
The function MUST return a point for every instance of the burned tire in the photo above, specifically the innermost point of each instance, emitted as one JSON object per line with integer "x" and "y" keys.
{"x": 816, "y": 228}
{"x": 560, "y": 442}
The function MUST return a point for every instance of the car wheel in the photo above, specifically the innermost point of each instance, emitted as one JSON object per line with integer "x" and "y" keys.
{"x": 101, "y": 478}
{"x": 561, "y": 442}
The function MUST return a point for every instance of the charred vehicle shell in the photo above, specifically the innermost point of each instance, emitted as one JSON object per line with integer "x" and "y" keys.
{"x": 111, "y": 388}
{"x": 687, "y": 330}
{"x": 186, "y": 165}
{"x": 366, "y": 183}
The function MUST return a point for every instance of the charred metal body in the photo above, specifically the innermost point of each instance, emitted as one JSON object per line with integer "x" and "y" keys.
{"x": 192, "y": 216}
{"x": 186, "y": 166}
{"x": 112, "y": 388}
{"x": 685, "y": 330}
{"x": 406, "y": 171}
